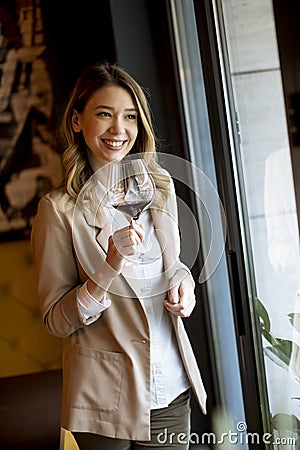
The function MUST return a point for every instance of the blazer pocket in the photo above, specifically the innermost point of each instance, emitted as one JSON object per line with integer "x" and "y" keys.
{"x": 93, "y": 378}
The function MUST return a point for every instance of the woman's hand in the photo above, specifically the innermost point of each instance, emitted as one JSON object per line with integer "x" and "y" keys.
{"x": 123, "y": 243}
{"x": 181, "y": 298}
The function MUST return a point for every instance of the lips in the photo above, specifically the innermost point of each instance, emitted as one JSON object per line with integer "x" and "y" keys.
{"x": 114, "y": 144}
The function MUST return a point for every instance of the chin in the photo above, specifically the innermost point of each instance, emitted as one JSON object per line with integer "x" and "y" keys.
{"x": 116, "y": 157}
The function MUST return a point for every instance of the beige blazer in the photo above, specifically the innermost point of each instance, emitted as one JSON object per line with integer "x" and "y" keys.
{"x": 106, "y": 361}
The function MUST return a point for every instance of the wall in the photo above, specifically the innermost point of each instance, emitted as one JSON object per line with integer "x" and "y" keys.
{"x": 68, "y": 39}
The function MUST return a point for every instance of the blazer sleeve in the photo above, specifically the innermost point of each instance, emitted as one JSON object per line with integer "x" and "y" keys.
{"x": 59, "y": 280}
{"x": 181, "y": 268}
{"x": 58, "y": 277}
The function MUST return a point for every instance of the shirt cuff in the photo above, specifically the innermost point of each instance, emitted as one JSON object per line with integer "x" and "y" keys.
{"x": 104, "y": 277}
{"x": 187, "y": 270}
{"x": 89, "y": 306}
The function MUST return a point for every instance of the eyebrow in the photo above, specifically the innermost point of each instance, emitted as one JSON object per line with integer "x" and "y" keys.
{"x": 111, "y": 108}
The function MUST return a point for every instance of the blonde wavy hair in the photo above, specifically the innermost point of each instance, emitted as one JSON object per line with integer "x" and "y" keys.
{"x": 75, "y": 158}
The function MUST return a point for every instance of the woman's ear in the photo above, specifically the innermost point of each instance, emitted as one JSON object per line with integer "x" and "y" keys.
{"x": 75, "y": 122}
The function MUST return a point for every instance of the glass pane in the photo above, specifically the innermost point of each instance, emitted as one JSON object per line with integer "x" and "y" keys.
{"x": 210, "y": 218}
{"x": 252, "y": 72}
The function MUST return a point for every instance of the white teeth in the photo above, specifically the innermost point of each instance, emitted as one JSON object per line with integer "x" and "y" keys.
{"x": 113, "y": 143}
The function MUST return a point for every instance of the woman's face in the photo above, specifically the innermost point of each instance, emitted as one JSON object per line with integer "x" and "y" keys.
{"x": 108, "y": 123}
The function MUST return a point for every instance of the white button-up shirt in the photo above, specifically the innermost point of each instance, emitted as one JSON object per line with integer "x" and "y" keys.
{"x": 168, "y": 378}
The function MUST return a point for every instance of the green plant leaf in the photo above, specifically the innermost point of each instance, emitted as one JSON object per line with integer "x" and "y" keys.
{"x": 265, "y": 323}
{"x": 264, "y": 316}
{"x": 280, "y": 353}
{"x": 294, "y": 318}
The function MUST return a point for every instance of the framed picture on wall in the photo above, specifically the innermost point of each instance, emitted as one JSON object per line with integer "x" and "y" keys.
{"x": 29, "y": 164}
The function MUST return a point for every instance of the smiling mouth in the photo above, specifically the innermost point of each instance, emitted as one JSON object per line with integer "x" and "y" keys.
{"x": 114, "y": 144}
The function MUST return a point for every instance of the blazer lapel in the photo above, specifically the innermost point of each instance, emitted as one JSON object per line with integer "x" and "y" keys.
{"x": 98, "y": 221}
{"x": 167, "y": 233}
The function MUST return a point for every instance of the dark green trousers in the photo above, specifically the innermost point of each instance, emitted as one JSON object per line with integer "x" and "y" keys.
{"x": 170, "y": 430}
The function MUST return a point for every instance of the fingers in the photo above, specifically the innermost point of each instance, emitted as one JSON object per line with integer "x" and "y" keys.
{"x": 183, "y": 308}
{"x": 181, "y": 298}
{"x": 123, "y": 243}
{"x": 128, "y": 238}
{"x": 138, "y": 229}
{"x": 173, "y": 295}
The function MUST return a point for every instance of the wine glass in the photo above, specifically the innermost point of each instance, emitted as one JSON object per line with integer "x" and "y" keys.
{"x": 131, "y": 189}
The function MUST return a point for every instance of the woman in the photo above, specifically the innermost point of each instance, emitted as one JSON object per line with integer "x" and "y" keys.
{"x": 127, "y": 362}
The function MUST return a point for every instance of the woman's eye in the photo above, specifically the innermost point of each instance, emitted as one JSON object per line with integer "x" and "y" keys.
{"x": 104, "y": 114}
{"x": 131, "y": 116}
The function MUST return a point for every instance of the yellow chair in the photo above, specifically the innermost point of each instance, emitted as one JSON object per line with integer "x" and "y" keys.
{"x": 67, "y": 441}
{"x": 26, "y": 348}
{"x": 25, "y": 344}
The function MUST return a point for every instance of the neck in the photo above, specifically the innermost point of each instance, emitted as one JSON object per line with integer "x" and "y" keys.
{"x": 96, "y": 163}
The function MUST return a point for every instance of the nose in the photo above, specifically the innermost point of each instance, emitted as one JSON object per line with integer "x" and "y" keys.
{"x": 117, "y": 126}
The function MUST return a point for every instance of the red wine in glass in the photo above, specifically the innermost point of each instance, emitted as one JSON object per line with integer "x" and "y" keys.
{"x": 132, "y": 209}
{"x": 131, "y": 189}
